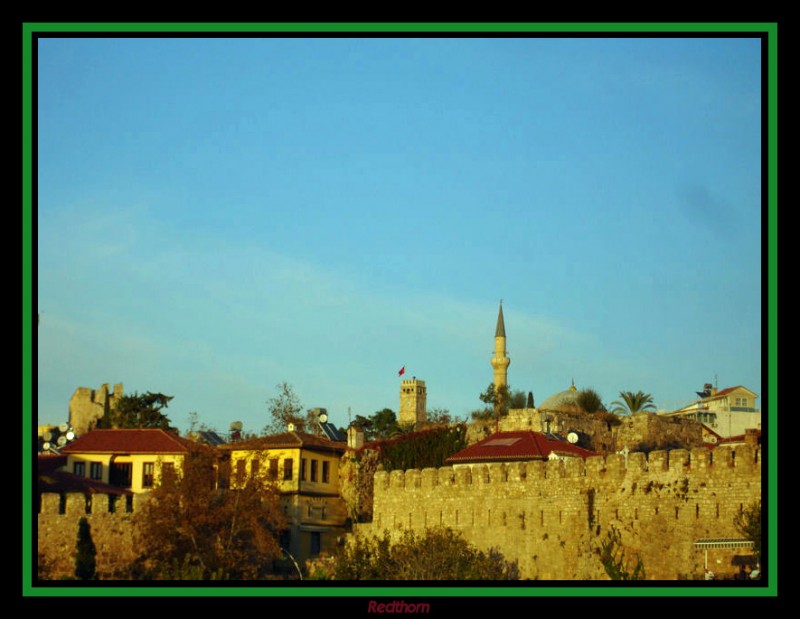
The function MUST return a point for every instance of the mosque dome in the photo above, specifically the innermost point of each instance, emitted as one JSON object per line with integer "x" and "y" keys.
{"x": 563, "y": 400}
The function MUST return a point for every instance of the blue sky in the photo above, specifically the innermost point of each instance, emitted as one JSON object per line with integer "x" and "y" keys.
{"x": 217, "y": 216}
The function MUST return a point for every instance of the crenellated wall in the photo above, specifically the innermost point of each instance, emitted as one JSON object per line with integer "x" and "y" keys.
{"x": 112, "y": 532}
{"x": 551, "y": 516}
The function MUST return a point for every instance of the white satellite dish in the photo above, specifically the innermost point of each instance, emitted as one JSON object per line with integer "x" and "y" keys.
{"x": 63, "y": 427}
{"x": 323, "y": 417}
{"x": 291, "y": 427}
{"x": 47, "y": 436}
{"x": 46, "y": 446}
{"x": 70, "y": 436}
{"x": 572, "y": 437}
{"x": 236, "y": 425}
{"x": 62, "y": 440}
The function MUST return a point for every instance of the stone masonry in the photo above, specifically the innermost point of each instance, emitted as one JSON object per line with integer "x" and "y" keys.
{"x": 551, "y": 516}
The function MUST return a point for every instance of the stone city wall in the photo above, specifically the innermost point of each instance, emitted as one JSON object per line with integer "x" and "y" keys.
{"x": 112, "y": 532}
{"x": 551, "y": 516}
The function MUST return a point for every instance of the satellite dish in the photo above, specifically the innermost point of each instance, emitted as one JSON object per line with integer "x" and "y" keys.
{"x": 63, "y": 427}
{"x": 712, "y": 439}
{"x": 70, "y": 436}
{"x": 62, "y": 440}
{"x": 48, "y": 436}
{"x": 291, "y": 427}
{"x": 46, "y": 446}
{"x": 236, "y": 425}
{"x": 323, "y": 418}
{"x": 572, "y": 437}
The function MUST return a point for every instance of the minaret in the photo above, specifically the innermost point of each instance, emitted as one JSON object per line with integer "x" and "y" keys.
{"x": 500, "y": 361}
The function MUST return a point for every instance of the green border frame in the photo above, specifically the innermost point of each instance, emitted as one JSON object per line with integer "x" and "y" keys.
{"x": 769, "y": 30}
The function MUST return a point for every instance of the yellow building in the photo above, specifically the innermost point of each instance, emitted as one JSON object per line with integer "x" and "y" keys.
{"x": 129, "y": 459}
{"x": 305, "y": 469}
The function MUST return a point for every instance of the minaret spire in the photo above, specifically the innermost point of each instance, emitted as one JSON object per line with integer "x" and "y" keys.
{"x": 500, "y": 361}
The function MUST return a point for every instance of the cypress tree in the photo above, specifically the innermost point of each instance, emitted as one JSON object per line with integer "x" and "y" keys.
{"x": 85, "y": 565}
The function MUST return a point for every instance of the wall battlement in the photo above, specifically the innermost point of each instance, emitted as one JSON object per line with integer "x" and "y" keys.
{"x": 661, "y": 503}
{"x": 743, "y": 458}
{"x": 112, "y": 532}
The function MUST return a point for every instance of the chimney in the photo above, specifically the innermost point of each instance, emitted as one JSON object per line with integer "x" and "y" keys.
{"x": 355, "y": 437}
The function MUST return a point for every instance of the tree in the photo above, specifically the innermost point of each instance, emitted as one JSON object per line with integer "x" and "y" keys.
{"x": 748, "y": 524}
{"x": 435, "y": 554}
{"x": 209, "y": 532}
{"x": 384, "y": 424}
{"x": 85, "y": 552}
{"x": 499, "y": 398}
{"x": 529, "y": 403}
{"x": 440, "y": 416}
{"x": 632, "y": 403}
{"x": 612, "y": 556}
{"x": 138, "y": 411}
{"x": 589, "y": 401}
{"x": 517, "y": 399}
{"x": 284, "y": 408}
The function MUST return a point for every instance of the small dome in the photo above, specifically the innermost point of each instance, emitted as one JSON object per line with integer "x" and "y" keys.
{"x": 563, "y": 400}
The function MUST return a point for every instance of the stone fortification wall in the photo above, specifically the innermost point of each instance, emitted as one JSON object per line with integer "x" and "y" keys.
{"x": 551, "y": 516}
{"x": 112, "y": 533}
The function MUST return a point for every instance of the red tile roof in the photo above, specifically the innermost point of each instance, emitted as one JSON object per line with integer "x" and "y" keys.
{"x": 61, "y": 481}
{"x": 286, "y": 440}
{"x": 515, "y": 446}
{"x": 149, "y": 441}
{"x": 726, "y": 391}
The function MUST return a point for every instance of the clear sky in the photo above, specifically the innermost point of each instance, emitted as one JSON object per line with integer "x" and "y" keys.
{"x": 217, "y": 216}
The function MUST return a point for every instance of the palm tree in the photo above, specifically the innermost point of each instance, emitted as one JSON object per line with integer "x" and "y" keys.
{"x": 633, "y": 403}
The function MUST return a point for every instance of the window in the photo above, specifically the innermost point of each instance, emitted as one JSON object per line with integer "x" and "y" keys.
{"x": 241, "y": 471}
{"x": 79, "y": 469}
{"x": 120, "y": 474}
{"x": 303, "y": 469}
{"x": 147, "y": 474}
{"x": 288, "y": 465}
{"x": 96, "y": 470}
{"x": 255, "y": 466}
{"x": 273, "y": 469}
{"x": 314, "y": 464}
{"x": 326, "y": 471}
{"x": 316, "y": 540}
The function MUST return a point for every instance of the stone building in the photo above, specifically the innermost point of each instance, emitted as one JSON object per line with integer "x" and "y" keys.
{"x": 88, "y": 405}
{"x": 413, "y": 403}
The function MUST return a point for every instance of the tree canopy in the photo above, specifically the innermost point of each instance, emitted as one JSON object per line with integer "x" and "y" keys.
{"x": 630, "y": 403}
{"x": 748, "y": 524}
{"x": 213, "y": 533}
{"x": 435, "y": 554}
{"x": 138, "y": 411}
{"x": 589, "y": 401}
{"x": 381, "y": 424}
{"x": 284, "y": 408}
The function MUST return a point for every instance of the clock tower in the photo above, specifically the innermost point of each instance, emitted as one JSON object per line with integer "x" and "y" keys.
{"x": 412, "y": 402}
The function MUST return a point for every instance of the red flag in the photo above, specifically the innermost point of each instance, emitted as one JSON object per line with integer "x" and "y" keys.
{"x": 402, "y": 371}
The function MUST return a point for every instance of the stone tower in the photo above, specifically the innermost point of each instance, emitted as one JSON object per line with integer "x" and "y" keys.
{"x": 500, "y": 361}
{"x": 88, "y": 405}
{"x": 412, "y": 402}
